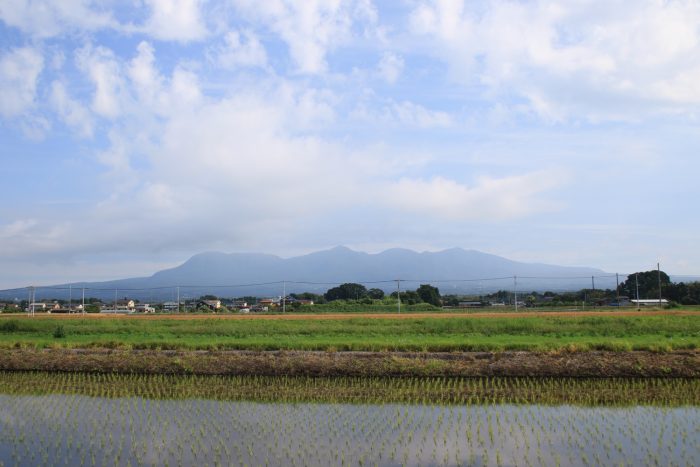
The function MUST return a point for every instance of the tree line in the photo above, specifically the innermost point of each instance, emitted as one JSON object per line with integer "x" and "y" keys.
{"x": 647, "y": 282}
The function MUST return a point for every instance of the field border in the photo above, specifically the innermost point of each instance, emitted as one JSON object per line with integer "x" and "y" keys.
{"x": 684, "y": 364}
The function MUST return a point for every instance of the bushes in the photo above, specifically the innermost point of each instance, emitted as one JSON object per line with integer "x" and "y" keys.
{"x": 9, "y": 326}
{"x": 59, "y": 332}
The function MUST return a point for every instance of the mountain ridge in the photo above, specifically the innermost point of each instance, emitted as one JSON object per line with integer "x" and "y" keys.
{"x": 453, "y": 270}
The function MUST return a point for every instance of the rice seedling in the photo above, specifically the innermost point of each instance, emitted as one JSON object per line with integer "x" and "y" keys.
{"x": 74, "y": 419}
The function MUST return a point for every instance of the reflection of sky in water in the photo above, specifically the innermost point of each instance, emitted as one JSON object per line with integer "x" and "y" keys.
{"x": 75, "y": 430}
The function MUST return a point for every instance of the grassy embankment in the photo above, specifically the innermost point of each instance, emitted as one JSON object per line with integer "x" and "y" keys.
{"x": 430, "y": 334}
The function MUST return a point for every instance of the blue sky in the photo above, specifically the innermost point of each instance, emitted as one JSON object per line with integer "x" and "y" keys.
{"x": 135, "y": 134}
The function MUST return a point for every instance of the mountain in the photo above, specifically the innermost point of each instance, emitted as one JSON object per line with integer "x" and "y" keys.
{"x": 238, "y": 274}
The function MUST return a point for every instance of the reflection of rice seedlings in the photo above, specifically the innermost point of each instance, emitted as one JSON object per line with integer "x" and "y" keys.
{"x": 141, "y": 431}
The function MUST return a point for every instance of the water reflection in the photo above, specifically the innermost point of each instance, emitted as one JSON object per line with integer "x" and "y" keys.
{"x": 81, "y": 430}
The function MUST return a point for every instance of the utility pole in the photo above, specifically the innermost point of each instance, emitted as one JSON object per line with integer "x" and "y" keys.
{"x": 398, "y": 293}
{"x": 83, "y": 300}
{"x": 515, "y": 292}
{"x": 178, "y": 299}
{"x": 284, "y": 296}
{"x": 115, "y": 300}
{"x": 593, "y": 283}
{"x": 70, "y": 297}
{"x": 617, "y": 288}
{"x": 636, "y": 280}
{"x": 658, "y": 270}
{"x": 32, "y": 299}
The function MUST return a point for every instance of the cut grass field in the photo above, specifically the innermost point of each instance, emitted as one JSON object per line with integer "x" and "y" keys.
{"x": 617, "y": 331}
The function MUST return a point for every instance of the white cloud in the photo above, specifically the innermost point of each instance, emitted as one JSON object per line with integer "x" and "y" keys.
{"x": 310, "y": 28}
{"x": 71, "y": 111}
{"x": 411, "y": 114}
{"x": 490, "y": 199}
{"x": 104, "y": 70}
{"x": 155, "y": 92}
{"x": 404, "y": 114}
{"x": 241, "y": 49}
{"x": 390, "y": 67}
{"x": 19, "y": 71}
{"x": 48, "y": 18}
{"x": 593, "y": 59}
{"x": 179, "y": 20}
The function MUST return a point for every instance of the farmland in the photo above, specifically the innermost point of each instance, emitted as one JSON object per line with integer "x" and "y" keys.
{"x": 356, "y": 389}
{"x": 137, "y": 420}
{"x": 655, "y": 331}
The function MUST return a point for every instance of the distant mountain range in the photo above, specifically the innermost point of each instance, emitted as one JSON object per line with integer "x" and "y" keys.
{"x": 239, "y": 274}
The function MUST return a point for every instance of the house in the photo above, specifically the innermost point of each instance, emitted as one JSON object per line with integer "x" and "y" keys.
{"x": 126, "y": 303}
{"x": 145, "y": 308}
{"x": 213, "y": 305}
{"x": 303, "y": 301}
{"x": 268, "y": 302}
{"x": 171, "y": 306}
{"x": 121, "y": 306}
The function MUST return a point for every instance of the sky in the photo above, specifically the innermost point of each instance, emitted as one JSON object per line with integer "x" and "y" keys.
{"x": 134, "y": 134}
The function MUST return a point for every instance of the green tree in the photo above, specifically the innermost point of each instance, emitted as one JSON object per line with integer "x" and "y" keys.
{"x": 347, "y": 291}
{"x": 429, "y": 294}
{"x": 648, "y": 284}
{"x": 408, "y": 297}
{"x": 375, "y": 294}
{"x": 686, "y": 294}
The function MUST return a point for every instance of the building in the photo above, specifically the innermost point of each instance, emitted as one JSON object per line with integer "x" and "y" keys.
{"x": 471, "y": 304}
{"x": 111, "y": 309}
{"x": 170, "y": 306}
{"x": 649, "y": 302}
{"x": 213, "y": 305}
{"x": 126, "y": 303}
{"x": 145, "y": 308}
{"x": 121, "y": 306}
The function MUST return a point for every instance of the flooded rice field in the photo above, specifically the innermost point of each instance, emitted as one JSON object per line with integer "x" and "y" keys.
{"x": 73, "y": 424}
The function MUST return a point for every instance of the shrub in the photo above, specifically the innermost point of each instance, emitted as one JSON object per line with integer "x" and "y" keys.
{"x": 59, "y": 332}
{"x": 9, "y": 326}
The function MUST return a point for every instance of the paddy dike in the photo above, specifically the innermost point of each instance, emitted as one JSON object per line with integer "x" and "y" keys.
{"x": 685, "y": 364}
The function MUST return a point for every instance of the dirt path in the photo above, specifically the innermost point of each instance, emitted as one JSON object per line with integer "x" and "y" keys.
{"x": 346, "y": 316}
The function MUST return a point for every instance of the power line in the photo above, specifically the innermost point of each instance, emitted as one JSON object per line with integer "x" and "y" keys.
{"x": 316, "y": 283}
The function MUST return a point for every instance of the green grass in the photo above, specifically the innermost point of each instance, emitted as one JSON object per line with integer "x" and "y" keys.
{"x": 362, "y": 390}
{"x": 658, "y": 333}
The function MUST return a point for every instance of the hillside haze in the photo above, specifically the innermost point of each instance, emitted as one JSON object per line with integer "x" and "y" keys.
{"x": 454, "y": 271}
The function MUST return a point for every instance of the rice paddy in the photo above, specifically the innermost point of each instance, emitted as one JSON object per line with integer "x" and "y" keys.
{"x": 129, "y": 420}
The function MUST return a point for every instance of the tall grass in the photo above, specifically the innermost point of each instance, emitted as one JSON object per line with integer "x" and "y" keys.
{"x": 656, "y": 333}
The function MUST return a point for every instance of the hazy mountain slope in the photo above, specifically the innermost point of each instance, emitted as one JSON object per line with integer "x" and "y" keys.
{"x": 453, "y": 271}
